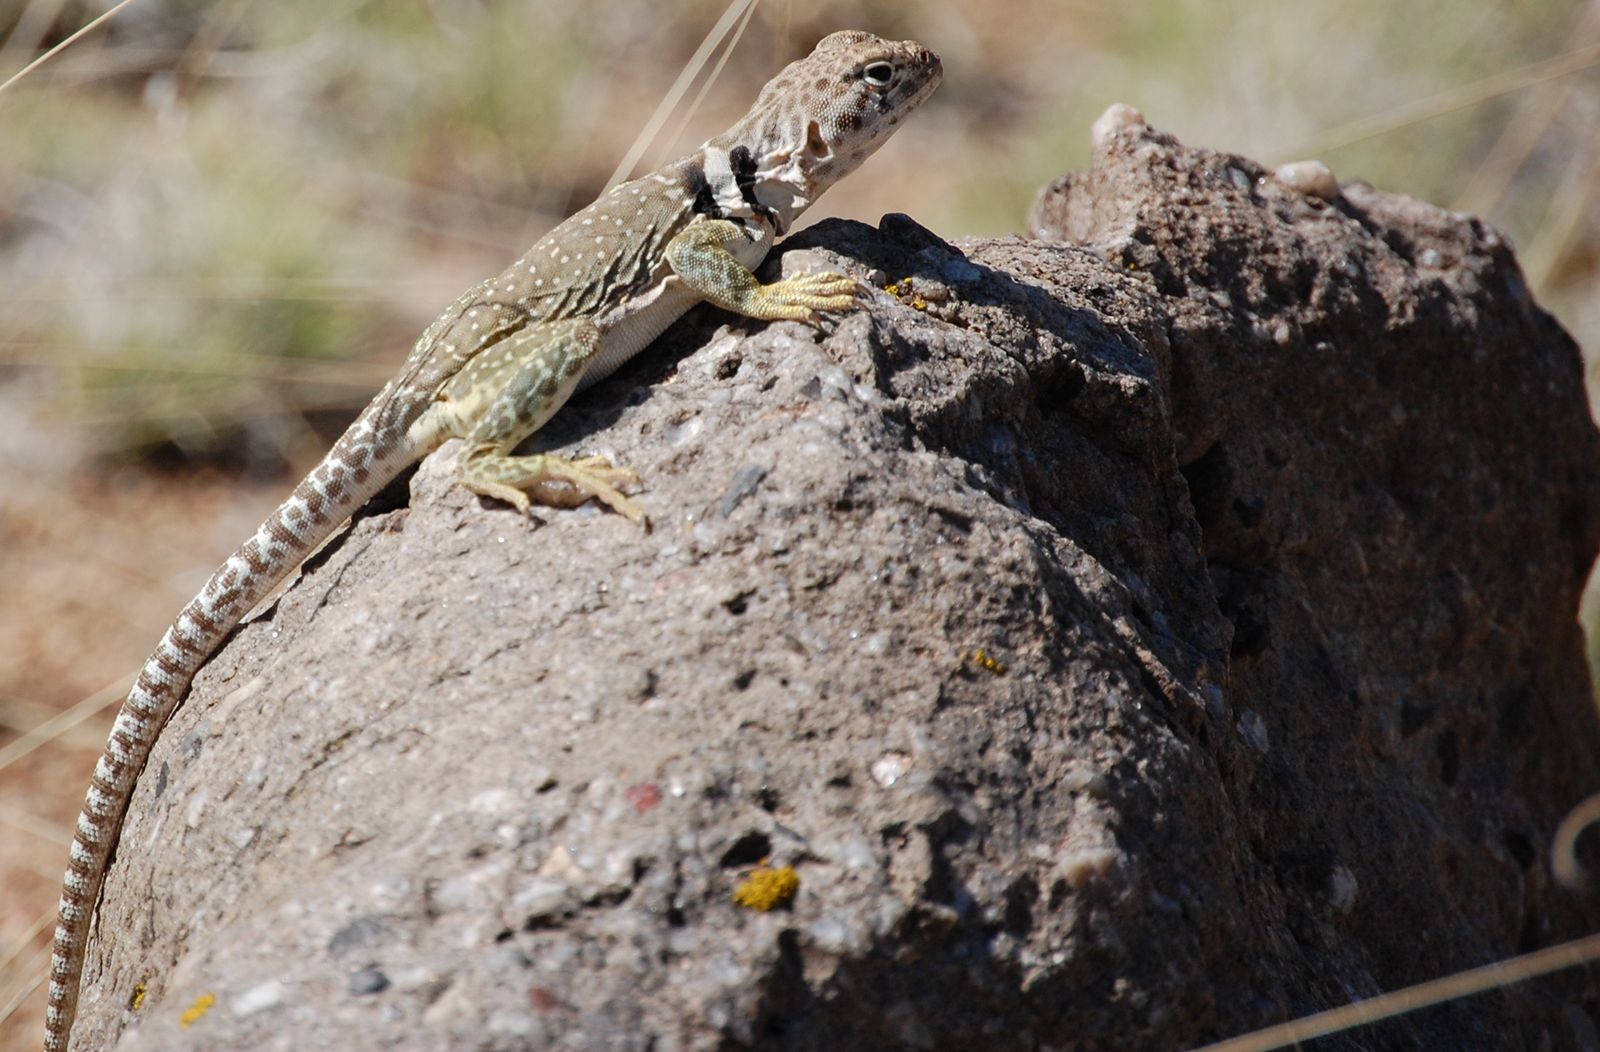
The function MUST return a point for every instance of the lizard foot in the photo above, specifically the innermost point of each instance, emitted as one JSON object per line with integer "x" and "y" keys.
{"x": 802, "y": 297}
{"x": 559, "y": 482}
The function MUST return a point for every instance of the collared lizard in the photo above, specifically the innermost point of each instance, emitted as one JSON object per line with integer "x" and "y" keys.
{"x": 504, "y": 357}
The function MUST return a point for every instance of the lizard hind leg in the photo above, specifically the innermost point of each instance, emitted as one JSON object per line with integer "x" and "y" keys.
{"x": 507, "y": 394}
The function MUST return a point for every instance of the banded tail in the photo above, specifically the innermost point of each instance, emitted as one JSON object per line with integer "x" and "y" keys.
{"x": 366, "y": 458}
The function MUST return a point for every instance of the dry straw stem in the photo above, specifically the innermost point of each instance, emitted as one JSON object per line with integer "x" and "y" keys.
{"x": 51, "y": 833}
{"x": 1489, "y": 183}
{"x": 202, "y": 50}
{"x": 18, "y": 715}
{"x": 240, "y": 365}
{"x": 696, "y": 62}
{"x": 43, "y": 921}
{"x": 1564, "y": 65}
{"x": 51, "y": 729}
{"x": 29, "y": 28}
{"x": 705, "y": 85}
{"x": 36, "y": 968}
{"x": 1571, "y": 209}
{"x": 31, "y": 975}
{"x": 1564, "y": 849}
{"x": 48, "y": 55}
{"x": 1386, "y": 1006}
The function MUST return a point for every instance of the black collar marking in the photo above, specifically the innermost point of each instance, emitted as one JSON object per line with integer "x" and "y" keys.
{"x": 705, "y": 202}
{"x": 744, "y": 173}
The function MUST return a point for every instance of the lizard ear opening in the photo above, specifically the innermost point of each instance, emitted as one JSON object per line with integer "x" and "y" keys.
{"x": 816, "y": 146}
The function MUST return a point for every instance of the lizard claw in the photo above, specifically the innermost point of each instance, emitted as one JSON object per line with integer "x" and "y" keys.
{"x": 804, "y": 296}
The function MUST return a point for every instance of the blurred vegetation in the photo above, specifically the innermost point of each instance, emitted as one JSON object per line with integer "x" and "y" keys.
{"x": 218, "y": 219}
{"x": 198, "y": 201}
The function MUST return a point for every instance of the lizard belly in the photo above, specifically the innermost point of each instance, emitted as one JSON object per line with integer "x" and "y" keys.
{"x": 630, "y": 329}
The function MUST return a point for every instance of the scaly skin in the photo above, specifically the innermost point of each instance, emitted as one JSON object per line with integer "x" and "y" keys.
{"x": 503, "y": 358}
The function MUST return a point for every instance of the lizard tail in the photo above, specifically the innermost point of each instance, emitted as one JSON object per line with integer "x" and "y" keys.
{"x": 365, "y": 459}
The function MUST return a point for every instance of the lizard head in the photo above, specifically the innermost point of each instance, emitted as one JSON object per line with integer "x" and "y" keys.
{"x": 817, "y": 120}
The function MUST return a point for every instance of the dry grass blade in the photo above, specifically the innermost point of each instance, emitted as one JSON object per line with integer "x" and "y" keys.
{"x": 53, "y": 728}
{"x": 716, "y": 71}
{"x": 30, "y": 28}
{"x": 35, "y": 969}
{"x": 1563, "y": 65}
{"x": 1564, "y": 848}
{"x": 1436, "y": 991}
{"x": 56, "y": 835}
{"x": 197, "y": 418}
{"x": 249, "y": 367}
{"x": 674, "y": 94}
{"x": 1571, "y": 209}
{"x": 40, "y": 923}
{"x": 1523, "y": 132}
{"x": 202, "y": 50}
{"x": 1490, "y": 182}
{"x": 19, "y": 714}
{"x": 42, "y": 59}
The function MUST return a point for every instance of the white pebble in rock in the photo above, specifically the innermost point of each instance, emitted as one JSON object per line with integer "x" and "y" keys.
{"x": 890, "y": 768}
{"x": 258, "y": 998}
{"x": 540, "y": 898}
{"x": 1312, "y": 178}
{"x": 1116, "y": 117}
{"x": 506, "y": 1023}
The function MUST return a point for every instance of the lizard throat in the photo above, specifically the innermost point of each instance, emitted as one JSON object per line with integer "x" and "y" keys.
{"x": 738, "y": 185}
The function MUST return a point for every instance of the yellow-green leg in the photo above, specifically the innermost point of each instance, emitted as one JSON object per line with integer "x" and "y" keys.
{"x": 703, "y": 256}
{"x": 505, "y": 395}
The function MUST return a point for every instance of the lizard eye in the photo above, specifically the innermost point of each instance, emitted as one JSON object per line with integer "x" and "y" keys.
{"x": 878, "y": 74}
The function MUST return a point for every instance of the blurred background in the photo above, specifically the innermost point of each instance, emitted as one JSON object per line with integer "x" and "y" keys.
{"x": 223, "y": 223}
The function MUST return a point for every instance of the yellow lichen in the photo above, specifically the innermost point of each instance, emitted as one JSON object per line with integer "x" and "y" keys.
{"x": 136, "y": 1002}
{"x": 767, "y": 888}
{"x": 981, "y": 658}
{"x": 906, "y": 293}
{"x": 196, "y": 1011}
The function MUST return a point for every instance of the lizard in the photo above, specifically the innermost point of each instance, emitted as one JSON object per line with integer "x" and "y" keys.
{"x": 506, "y": 355}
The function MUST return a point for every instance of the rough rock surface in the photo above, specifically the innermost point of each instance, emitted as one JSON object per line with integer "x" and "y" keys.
{"x": 1131, "y": 636}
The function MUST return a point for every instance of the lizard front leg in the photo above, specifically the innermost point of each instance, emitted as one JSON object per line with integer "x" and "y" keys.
{"x": 506, "y": 394}
{"x": 700, "y": 255}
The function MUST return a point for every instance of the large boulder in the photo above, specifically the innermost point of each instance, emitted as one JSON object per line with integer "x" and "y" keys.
{"x": 1126, "y": 637}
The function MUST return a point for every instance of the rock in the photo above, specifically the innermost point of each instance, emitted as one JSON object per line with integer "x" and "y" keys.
{"x": 368, "y": 981}
{"x": 1126, "y": 643}
{"x": 1308, "y": 177}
